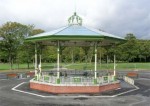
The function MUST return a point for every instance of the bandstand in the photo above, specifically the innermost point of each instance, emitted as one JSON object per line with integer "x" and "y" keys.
{"x": 74, "y": 34}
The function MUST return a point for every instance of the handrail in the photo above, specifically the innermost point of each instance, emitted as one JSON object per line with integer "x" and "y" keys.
{"x": 78, "y": 80}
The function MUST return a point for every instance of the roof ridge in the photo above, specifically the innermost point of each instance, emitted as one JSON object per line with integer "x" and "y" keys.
{"x": 90, "y": 29}
{"x": 54, "y": 32}
{"x": 62, "y": 29}
{"x": 104, "y": 33}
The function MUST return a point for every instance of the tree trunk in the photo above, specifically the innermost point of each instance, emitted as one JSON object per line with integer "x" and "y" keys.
{"x": 140, "y": 59}
{"x": 145, "y": 58}
{"x": 18, "y": 65}
{"x": 33, "y": 62}
{"x": 72, "y": 55}
{"x": 107, "y": 63}
{"x": 28, "y": 64}
{"x": 10, "y": 62}
{"x": 86, "y": 59}
{"x": 91, "y": 59}
{"x": 100, "y": 60}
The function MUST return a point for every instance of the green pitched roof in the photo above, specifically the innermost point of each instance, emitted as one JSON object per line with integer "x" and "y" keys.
{"x": 73, "y": 32}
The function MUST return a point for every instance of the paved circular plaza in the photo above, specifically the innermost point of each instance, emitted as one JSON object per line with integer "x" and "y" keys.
{"x": 16, "y": 92}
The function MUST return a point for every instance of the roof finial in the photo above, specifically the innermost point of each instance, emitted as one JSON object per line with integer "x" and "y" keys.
{"x": 75, "y": 20}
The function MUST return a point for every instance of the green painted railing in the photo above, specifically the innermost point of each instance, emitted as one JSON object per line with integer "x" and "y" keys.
{"x": 46, "y": 78}
{"x": 76, "y": 80}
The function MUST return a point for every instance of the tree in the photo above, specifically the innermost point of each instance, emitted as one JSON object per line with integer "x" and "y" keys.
{"x": 86, "y": 50}
{"x": 13, "y": 35}
{"x": 27, "y": 50}
{"x": 144, "y": 49}
{"x": 101, "y": 52}
{"x": 50, "y": 54}
{"x": 131, "y": 47}
{"x": 130, "y": 36}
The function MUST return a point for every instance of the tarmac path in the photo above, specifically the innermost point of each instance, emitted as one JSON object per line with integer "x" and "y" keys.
{"x": 140, "y": 97}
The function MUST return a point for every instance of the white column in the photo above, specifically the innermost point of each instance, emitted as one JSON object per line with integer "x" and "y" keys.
{"x": 107, "y": 62}
{"x": 40, "y": 65}
{"x": 40, "y": 57}
{"x": 100, "y": 56}
{"x": 114, "y": 65}
{"x": 95, "y": 76}
{"x": 36, "y": 59}
{"x": 58, "y": 53}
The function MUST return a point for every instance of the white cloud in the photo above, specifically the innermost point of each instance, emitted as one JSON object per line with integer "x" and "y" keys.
{"x": 115, "y": 16}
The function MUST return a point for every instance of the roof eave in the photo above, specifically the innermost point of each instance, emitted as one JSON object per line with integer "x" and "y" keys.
{"x": 60, "y": 37}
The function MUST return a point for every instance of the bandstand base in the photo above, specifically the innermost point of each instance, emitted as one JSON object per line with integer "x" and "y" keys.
{"x": 72, "y": 89}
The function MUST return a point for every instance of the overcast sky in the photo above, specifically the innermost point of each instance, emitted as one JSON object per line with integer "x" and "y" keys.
{"x": 118, "y": 17}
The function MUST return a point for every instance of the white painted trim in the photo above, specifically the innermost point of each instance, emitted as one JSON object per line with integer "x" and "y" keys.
{"x": 14, "y": 79}
{"x": 143, "y": 79}
{"x": 95, "y": 67}
{"x": 52, "y": 84}
{"x": 34, "y": 94}
{"x": 14, "y": 89}
{"x": 136, "y": 88}
{"x": 114, "y": 65}
{"x": 3, "y": 79}
{"x": 58, "y": 60}
{"x": 128, "y": 80}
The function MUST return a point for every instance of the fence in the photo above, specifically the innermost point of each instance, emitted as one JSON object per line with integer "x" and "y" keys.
{"x": 129, "y": 80}
{"x": 76, "y": 80}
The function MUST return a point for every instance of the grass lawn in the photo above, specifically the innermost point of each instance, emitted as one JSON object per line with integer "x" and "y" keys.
{"x": 24, "y": 67}
{"x": 79, "y": 66}
{"x": 119, "y": 66}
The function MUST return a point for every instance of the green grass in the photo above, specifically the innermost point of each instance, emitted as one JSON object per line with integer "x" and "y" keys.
{"x": 24, "y": 67}
{"x": 110, "y": 66}
{"x": 79, "y": 66}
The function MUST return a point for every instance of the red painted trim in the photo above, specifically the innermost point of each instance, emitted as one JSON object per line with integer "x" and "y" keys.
{"x": 13, "y": 75}
{"x": 30, "y": 73}
{"x": 132, "y": 74}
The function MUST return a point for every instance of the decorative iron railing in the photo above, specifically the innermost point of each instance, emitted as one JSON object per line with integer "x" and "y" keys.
{"x": 76, "y": 80}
